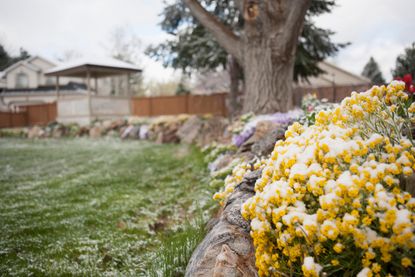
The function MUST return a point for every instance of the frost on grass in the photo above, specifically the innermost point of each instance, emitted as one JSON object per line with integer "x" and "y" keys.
{"x": 82, "y": 207}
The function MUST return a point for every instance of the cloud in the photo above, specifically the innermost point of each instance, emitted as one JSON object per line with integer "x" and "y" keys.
{"x": 379, "y": 28}
{"x": 50, "y": 27}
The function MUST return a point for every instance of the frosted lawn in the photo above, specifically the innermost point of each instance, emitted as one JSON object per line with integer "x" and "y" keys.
{"x": 83, "y": 207}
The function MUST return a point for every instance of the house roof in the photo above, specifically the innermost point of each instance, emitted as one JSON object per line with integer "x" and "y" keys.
{"x": 22, "y": 62}
{"x": 334, "y": 75}
{"x": 30, "y": 59}
{"x": 27, "y": 63}
{"x": 98, "y": 67}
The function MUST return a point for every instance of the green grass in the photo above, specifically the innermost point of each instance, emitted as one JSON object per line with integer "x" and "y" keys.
{"x": 104, "y": 207}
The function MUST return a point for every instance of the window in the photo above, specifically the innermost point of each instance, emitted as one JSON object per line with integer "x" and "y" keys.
{"x": 50, "y": 81}
{"x": 22, "y": 80}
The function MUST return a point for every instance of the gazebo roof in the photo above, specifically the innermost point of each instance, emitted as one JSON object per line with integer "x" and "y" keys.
{"x": 97, "y": 67}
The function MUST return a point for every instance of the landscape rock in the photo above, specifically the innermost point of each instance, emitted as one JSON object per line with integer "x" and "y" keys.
{"x": 262, "y": 129}
{"x": 106, "y": 124}
{"x": 131, "y": 132}
{"x": 167, "y": 134}
{"x": 227, "y": 250}
{"x": 143, "y": 133}
{"x": 408, "y": 184}
{"x": 58, "y": 131}
{"x": 35, "y": 132}
{"x": 189, "y": 131}
{"x": 83, "y": 131}
{"x": 213, "y": 130}
{"x": 125, "y": 132}
{"x": 95, "y": 132}
{"x": 264, "y": 146}
{"x": 221, "y": 162}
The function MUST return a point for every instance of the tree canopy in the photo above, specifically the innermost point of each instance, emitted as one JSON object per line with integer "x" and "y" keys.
{"x": 192, "y": 47}
{"x": 372, "y": 71}
{"x": 405, "y": 63}
{"x": 6, "y": 59}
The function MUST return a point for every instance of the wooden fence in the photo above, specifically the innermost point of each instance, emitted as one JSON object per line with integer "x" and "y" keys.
{"x": 332, "y": 94}
{"x": 31, "y": 115}
{"x": 180, "y": 104}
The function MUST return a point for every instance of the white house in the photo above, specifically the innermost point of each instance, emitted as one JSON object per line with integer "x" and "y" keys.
{"x": 25, "y": 83}
{"x": 28, "y": 74}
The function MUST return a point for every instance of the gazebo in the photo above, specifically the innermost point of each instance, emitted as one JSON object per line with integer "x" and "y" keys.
{"x": 92, "y": 68}
{"x": 96, "y": 106}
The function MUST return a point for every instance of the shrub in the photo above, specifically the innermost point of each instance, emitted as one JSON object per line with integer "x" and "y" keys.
{"x": 235, "y": 177}
{"x": 329, "y": 199}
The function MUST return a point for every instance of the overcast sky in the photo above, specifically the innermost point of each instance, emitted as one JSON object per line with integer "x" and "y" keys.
{"x": 378, "y": 28}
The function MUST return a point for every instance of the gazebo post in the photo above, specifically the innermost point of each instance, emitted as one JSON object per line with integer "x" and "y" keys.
{"x": 88, "y": 87}
{"x": 96, "y": 85}
{"x": 128, "y": 85}
{"x": 57, "y": 88}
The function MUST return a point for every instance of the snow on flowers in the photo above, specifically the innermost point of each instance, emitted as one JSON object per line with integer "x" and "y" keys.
{"x": 329, "y": 199}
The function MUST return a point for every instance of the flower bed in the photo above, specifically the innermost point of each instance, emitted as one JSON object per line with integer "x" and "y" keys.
{"x": 329, "y": 199}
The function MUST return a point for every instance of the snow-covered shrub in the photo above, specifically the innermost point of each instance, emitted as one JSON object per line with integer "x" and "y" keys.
{"x": 237, "y": 173}
{"x": 329, "y": 199}
{"x": 311, "y": 106}
{"x": 214, "y": 150}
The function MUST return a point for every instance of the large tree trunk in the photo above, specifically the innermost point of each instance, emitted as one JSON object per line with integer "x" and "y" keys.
{"x": 235, "y": 75}
{"x": 268, "y": 79}
{"x": 269, "y": 43}
{"x": 266, "y": 48}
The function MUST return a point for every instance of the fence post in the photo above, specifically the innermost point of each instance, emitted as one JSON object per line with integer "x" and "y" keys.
{"x": 150, "y": 105}
{"x": 187, "y": 104}
{"x": 47, "y": 113}
{"x": 224, "y": 107}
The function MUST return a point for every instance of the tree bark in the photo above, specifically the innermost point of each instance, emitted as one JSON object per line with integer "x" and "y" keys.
{"x": 235, "y": 75}
{"x": 225, "y": 36}
{"x": 269, "y": 43}
{"x": 268, "y": 80}
{"x": 266, "y": 50}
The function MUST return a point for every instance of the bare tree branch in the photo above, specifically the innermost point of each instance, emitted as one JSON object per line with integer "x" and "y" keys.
{"x": 296, "y": 16}
{"x": 225, "y": 37}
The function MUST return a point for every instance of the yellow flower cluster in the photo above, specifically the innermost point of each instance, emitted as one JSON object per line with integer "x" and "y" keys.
{"x": 237, "y": 175}
{"x": 329, "y": 198}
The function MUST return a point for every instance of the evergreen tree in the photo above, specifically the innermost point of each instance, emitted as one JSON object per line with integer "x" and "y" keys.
{"x": 405, "y": 63}
{"x": 199, "y": 46}
{"x": 372, "y": 72}
{"x": 5, "y": 58}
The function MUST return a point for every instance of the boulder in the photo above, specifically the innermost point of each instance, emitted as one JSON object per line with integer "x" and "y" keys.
{"x": 167, "y": 135}
{"x": 261, "y": 129}
{"x": 227, "y": 249}
{"x": 213, "y": 130}
{"x": 221, "y": 162}
{"x": 264, "y": 146}
{"x": 117, "y": 124}
{"x": 106, "y": 125}
{"x": 189, "y": 131}
{"x": 143, "y": 133}
{"x": 130, "y": 132}
{"x": 95, "y": 132}
{"x": 59, "y": 131}
{"x": 82, "y": 131}
{"x": 262, "y": 142}
{"x": 408, "y": 184}
{"x": 35, "y": 132}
